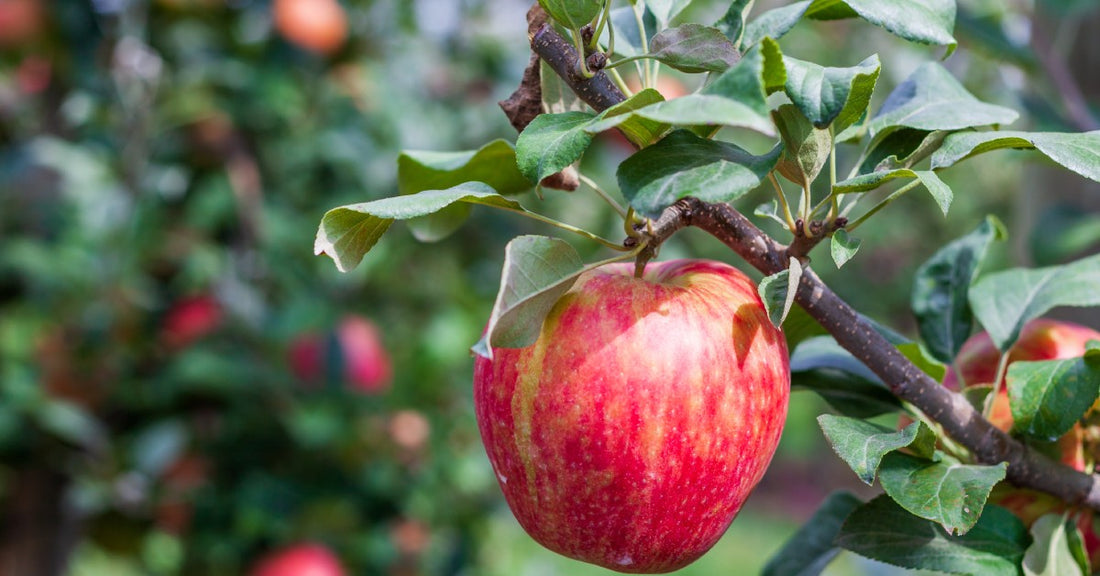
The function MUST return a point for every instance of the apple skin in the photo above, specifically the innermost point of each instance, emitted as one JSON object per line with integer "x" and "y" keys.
{"x": 306, "y": 559}
{"x": 366, "y": 363}
{"x": 632, "y": 431}
{"x": 318, "y": 26}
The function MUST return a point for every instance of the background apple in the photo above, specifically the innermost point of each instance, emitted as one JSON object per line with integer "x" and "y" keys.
{"x": 190, "y": 319}
{"x": 632, "y": 431}
{"x": 364, "y": 361}
{"x": 305, "y": 559}
{"x": 319, "y": 26}
{"x": 1041, "y": 339}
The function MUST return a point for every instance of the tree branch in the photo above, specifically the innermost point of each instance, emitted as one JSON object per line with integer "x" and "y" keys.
{"x": 1026, "y": 468}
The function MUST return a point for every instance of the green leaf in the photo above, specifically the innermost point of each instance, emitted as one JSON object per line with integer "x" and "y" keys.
{"x": 628, "y": 39}
{"x": 820, "y": 365}
{"x": 1077, "y": 152}
{"x": 932, "y": 99}
{"x": 538, "y": 271}
{"x": 347, "y": 233}
{"x": 777, "y": 291}
{"x": 843, "y": 247}
{"x": 557, "y": 96}
{"x": 683, "y": 164}
{"x": 774, "y": 23}
{"x": 1005, "y": 301}
{"x": 941, "y": 193}
{"x": 882, "y": 530}
{"x": 805, "y": 147}
{"x": 921, "y": 21}
{"x": 493, "y": 164}
{"x": 863, "y": 445}
{"x": 1051, "y": 552}
{"x": 900, "y": 148}
{"x": 572, "y": 14}
{"x": 732, "y": 23}
{"x": 552, "y": 142}
{"x": 945, "y": 492}
{"x": 1063, "y": 232}
{"x": 825, "y": 95}
{"x": 800, "y": 326}
{"x": 72, "y": 424}
{"x": 666, "y": 10}
{"x": 939, "y": 301}
{"x": 694, "y": 48}
{"x": 920, "y": 358}
{"x": 810, "y": 550}
{"x": 638, "y": 129}
{"x": 772, "y": 69}
{"x": 770, "y": 210}
{"x": 1047, "y": 398}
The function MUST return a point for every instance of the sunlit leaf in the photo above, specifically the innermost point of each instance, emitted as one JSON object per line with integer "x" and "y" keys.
{"x": 863, "y": 445}
{"x": 946, "y": 492}
{"x": 774, "y": 23}
{"x": 1077, "y": 152}
{"x": 922, "y": 21}
{"x": 1047, "y": 398}
{"x": 810, "y": 550}
{"x": 552, "y": 142}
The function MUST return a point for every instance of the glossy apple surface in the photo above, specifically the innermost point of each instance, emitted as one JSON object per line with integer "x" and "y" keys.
{"x": 300, "y": 560}
{"x": 630, "y": 434}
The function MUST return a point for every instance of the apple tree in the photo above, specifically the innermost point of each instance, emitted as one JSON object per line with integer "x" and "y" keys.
{"x": 983, "y": 445}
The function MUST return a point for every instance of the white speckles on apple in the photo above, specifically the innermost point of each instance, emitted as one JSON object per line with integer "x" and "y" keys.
{"x": 503, "y": 479}
{"x": 625, "y": 560}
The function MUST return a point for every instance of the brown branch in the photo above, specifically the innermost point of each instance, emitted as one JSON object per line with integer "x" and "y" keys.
{"x": 1026, "y": 468}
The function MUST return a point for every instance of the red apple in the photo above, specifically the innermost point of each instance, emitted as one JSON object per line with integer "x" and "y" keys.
{"x": 319, "y": 26}
{"x": 363, "y": 357}
{"x": 189, "y": 320}
{"x": 630, "y": 434}
{"x": 305, "y": 559}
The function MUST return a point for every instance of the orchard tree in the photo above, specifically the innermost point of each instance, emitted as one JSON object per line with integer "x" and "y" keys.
{"x": 628, "y": 409}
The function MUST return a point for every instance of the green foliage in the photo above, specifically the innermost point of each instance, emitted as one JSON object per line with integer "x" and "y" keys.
{"x": 1003, "y": 302}
{"x": 778, "y": 290}
{"x": 811, "y": 549}
{"x": 551, "y": 142}
{"x": 863, "y": 444}
{"x": 694, "y": 48}
{"x": 924, "y": 21}
{"x": 1047, "y": 398}
{"x": 821, "y": 365}
{"x": 572, "y": 13}
{"x": 882, "y": 530}
{"x": 835, "y": 97}
{"x": 1056, "y": 548}
{"x": 843, "y": 247}
{"x": 940, "y": 287}
{"x": 948, "y": 493}
{"x": 1077, "y": 152}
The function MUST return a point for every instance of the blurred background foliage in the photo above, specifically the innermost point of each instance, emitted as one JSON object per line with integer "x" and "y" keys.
{"x": 185, "y": 388}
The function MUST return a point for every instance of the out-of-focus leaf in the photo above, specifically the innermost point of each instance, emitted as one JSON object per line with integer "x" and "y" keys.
{"x": 683, "y": 164}
{"x": 948, "y": 493}
{"x": 939, "y": 297}
{"x": 819, "y": 364}
{"x": 628, "y": 39}
{"x": 666, "y": 10}
{"x": 900, "y": 148}
{"x": 1003, "y": 302}
{"x": 158, "y": 446}
{"x": 732, "y": 23}
{"x": 810, "y": 550}
{"x": 884, "y": 531}
{"x": 863, "y": 445}
{"x": 1063, "y": 232}
{"x": 920, "y": 358}
{"x": 1077, "y": 152}
{"x": 572, "y": 13}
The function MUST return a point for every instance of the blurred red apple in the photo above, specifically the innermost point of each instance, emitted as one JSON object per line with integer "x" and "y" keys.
{"x": 21, "y": 21}
{"x": 319, "y": 26}
{"x": 306, "y": 559}
{"x": 190, "y": 319}
{"x": 630, "y": 434}
{"x": 362, "y": 356}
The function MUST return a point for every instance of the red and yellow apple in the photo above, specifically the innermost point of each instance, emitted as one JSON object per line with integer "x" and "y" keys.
{"x": 363, "y": 358}
{"x": 319, "y": 26}
{"x": 632, "y": 431}
{"x": 1040, "y": 339}
{"x": 306, "y": 559}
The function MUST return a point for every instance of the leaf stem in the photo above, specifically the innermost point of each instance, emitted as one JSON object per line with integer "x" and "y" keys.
{"x": 604, "y": 195}
{"x": 1002, "y": 368}
{"x": 582, "y": 65}
{"x": 834, "y": 203}
{"x": 782, "y": 201}
{"x": 884, "y": 203}
{"x": 640, "y": 21}
{"x": 568, "y": 228}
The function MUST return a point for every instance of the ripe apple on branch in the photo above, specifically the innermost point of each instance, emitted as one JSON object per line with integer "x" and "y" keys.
{"x": 629, "y": 410}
